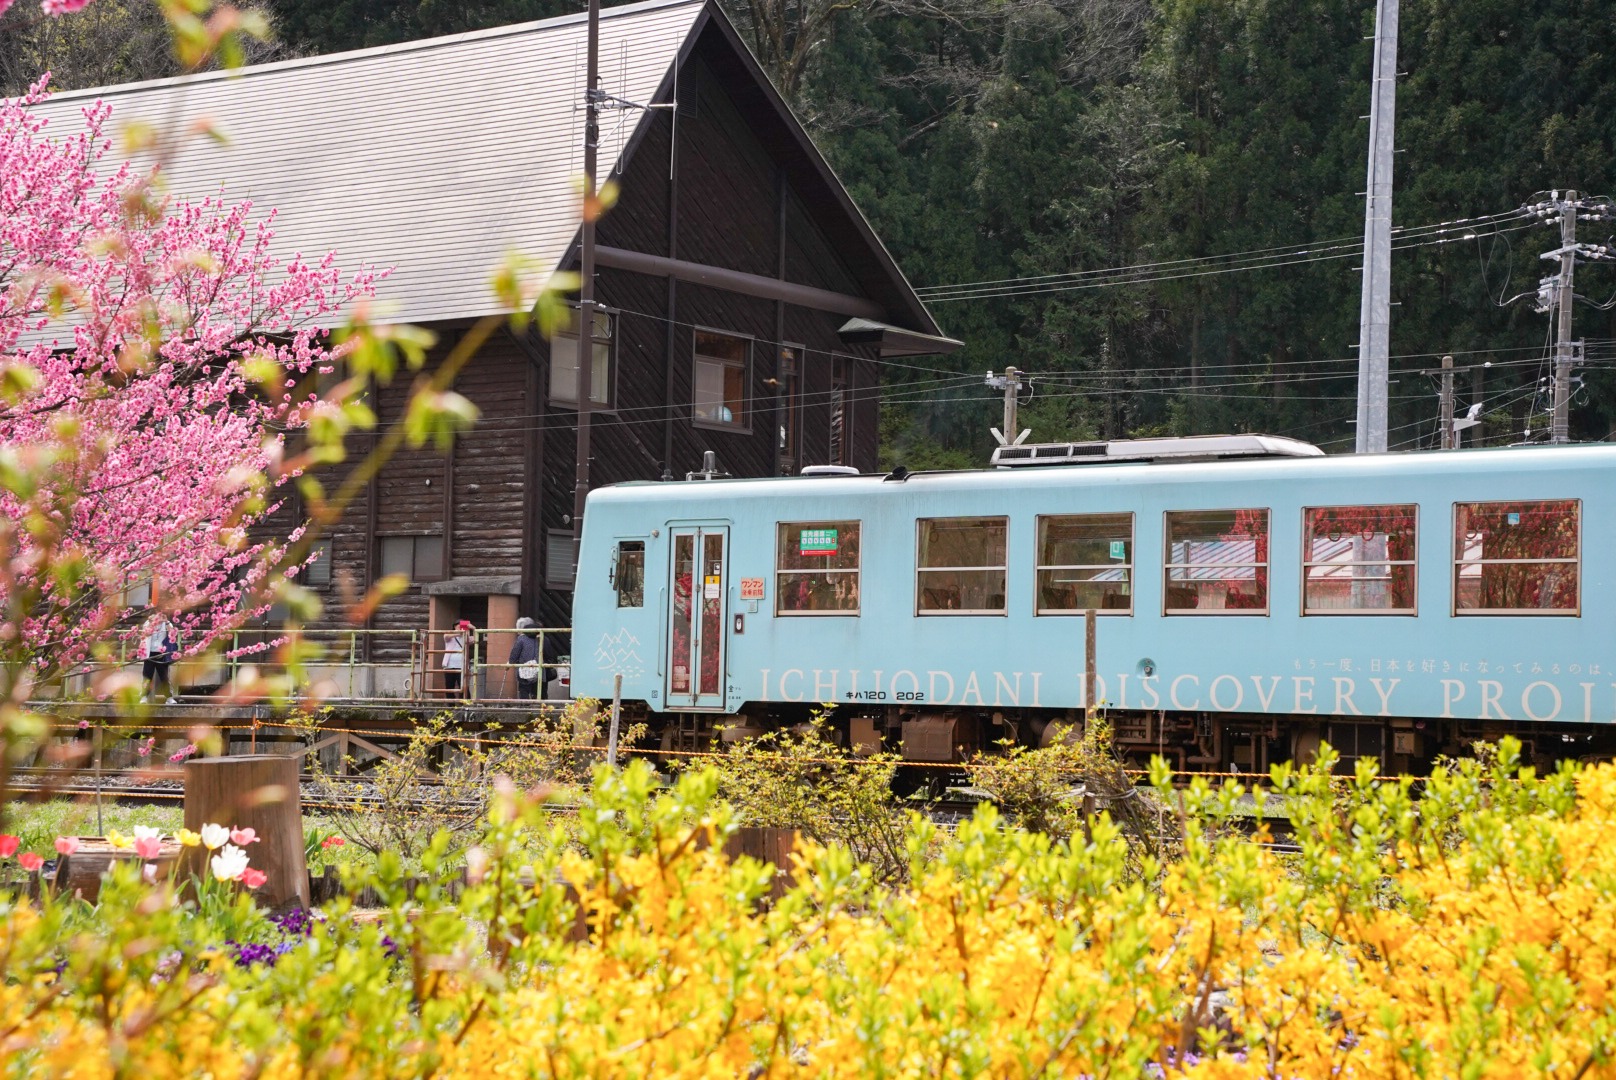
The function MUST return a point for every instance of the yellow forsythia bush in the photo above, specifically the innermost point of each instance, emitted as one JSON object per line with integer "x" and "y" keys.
{"x": 1465, "y": 927}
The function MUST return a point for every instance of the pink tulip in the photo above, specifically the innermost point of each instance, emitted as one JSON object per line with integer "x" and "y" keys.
{"x": 253, "y": 878}
{"x": 67, "y": 845}
{"x": 243, "y": 837}
{"x": 29, "y": 861}
{"x": 8, "y": 845}
{"x": 148, "y": 847}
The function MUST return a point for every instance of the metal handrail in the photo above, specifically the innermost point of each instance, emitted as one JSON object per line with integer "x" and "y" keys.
{"x": 348, "y": 660}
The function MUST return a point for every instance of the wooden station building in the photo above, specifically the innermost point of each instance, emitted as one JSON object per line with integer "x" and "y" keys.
{"x": 749, "y": 306}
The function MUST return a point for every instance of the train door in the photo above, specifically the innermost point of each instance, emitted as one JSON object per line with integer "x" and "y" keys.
{"x": 698, "y": 592}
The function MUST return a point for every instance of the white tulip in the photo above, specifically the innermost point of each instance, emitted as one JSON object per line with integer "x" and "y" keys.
{"x": 215, "y": 836}
{"x": 146, "y": 832}
{"x": 230, "y": 863}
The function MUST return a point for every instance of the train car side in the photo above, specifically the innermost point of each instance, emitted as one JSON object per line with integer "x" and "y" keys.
{"x": 1205, "y": 650}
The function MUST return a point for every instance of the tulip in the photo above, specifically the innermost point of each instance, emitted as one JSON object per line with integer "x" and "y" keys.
{"x": 229, "y": 864}
{"x": 119, "y": 840}
{"x": 8, "y": 846}
{"x": 214, "y": 836}
{"x": 243, "y": 837}
{"x": 187, "y": 838}
{"x": 148, "y": 873}
{"x": 146, "y": 832}
{"x": 148, "y": 847}
{"x": 30, "y": 862}
{"x": 253, "y": 878}
{"x": 67, "y": 845}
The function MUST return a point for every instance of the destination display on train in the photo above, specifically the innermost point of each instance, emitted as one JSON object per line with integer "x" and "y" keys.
{"x": 817, "y": 542}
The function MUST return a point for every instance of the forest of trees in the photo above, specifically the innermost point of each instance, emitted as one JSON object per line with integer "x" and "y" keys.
{"x": 1191, "y": 169}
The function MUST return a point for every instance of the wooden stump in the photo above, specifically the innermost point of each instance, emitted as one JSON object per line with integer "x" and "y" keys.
{"x": 260, "y": 792}
{"x": 80, "y": 873}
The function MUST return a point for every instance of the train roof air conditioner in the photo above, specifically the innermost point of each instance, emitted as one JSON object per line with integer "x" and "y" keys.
{"x": 1183, "y": 448}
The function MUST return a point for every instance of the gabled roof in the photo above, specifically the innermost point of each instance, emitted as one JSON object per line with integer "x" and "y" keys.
{"x": 438, "y": 157}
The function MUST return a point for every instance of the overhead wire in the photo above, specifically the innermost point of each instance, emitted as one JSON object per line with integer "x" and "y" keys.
{"x": 1170, "y": 269}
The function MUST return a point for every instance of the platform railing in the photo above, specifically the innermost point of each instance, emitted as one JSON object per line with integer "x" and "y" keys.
{"x": 487, "y": 674}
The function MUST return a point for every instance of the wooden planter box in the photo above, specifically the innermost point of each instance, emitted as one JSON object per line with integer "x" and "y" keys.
{"x": 80, "y": 873}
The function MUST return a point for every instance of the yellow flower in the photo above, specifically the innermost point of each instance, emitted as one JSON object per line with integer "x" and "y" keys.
{"x": 119, "y": 840}
{"x": 187, "y": 838}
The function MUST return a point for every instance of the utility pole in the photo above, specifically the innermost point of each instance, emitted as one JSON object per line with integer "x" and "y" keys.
{"x": 1560, "y": 431}
{"x": 1374, "y": 316}
{"x": 586, "y": 272}
{"x": 1445, "y": 410}
{"x": 1010, "y": 382}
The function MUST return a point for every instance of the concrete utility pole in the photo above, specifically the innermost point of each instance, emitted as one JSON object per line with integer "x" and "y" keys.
{"x": 1374, "y": 317}
{"x": 1445, "y": 410}
{"x": 586, "y": 272}
{"x": 1560, "y": 431}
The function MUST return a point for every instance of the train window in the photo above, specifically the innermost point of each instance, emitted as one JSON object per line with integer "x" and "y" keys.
{"x": 960, "y": 568}
{"x": 1217, "y": 562}
{"x": 1085, "y": 562}
{"x": 1358, "y": 559}
{"x": 1516, "y": 558}
{"x": 816, "y": 568}
{"x": 628, "y": 575}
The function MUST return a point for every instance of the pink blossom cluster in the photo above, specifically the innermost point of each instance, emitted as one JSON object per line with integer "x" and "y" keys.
{"x": 135, "y": 317}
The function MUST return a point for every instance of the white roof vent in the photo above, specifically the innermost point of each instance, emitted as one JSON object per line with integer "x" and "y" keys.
{"x": 1183, "y": 448}
{"x": 829, "y": 470}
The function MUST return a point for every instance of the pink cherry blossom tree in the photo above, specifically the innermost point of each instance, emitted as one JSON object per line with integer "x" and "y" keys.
{"x": 154, "y": 356}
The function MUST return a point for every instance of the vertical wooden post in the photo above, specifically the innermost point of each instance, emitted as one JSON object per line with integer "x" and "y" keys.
{"x": 259, "y": 792}
{"x": 617, "y": 714}
{"x": 1089, "y": 664}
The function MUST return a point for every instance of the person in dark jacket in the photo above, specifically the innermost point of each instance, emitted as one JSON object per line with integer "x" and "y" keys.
{"x": 525, "y": 660}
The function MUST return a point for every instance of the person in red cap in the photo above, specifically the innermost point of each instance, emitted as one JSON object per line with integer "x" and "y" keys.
{"x": 454, "y": 654}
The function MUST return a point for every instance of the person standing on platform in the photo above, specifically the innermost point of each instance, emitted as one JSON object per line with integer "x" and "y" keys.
{"x": 161, "y": 647}
{"x": 454, "y": 655}
{"x": 525, "y": 660}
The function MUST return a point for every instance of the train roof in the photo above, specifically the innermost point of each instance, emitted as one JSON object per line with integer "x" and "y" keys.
{"x": 1499, "y": 461}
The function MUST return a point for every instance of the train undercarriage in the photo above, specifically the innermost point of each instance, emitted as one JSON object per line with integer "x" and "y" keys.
{"x": 1190, "y": 742}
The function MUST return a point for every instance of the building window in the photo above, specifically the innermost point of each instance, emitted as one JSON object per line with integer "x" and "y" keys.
{"x": 317, "y": 574}
{"x": 816, "y": 568}
{"x": 628, "y": 573}
{"x": 960, "y": 566}
{"x": 1358, "y": 559}
{"x": 138, "y": 596}
{"x": 790, "y": 406}
{"x": 1085, "y": 563}
{"x": 1517, "y": 558}
{"x": 419, "y": 558}
{"x": 720, "y": 379}
{"x": 564, "y": 361}
{"x": 841, "y": 412}
{"x": 560, "y": 558}
{"x": 1217, "y": 561}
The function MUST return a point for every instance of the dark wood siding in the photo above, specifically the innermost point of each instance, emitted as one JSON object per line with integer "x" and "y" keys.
{"x": 729, "y": 204}
{"x": 488, "y": 474}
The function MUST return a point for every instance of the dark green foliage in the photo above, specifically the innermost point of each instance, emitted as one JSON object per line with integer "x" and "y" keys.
{"x": 1003, "y": 139}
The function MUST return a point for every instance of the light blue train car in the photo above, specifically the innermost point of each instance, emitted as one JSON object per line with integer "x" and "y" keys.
{"x": 1251, "y": 599}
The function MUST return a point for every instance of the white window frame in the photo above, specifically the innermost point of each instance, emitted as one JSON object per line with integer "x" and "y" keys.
{"x": 606, "y": 402}
{"x": 740, "y": 424}
{"x": 921, "y": 571}
{"x": 1573, "y": 612}
{"x": 856, "y": 572}
{"x": 1039, "y": 566}
{"x": 1168, "y": 566}
{"x": 1308, "y": 563}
